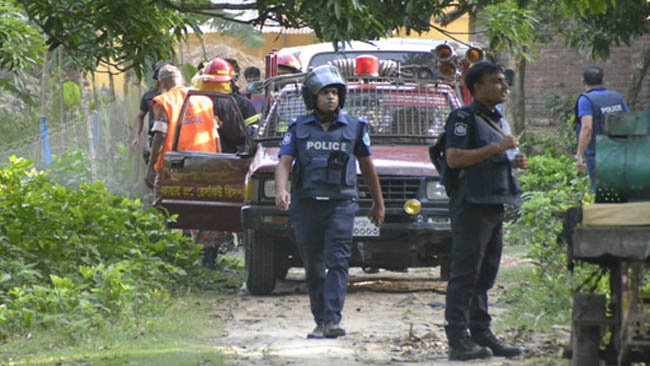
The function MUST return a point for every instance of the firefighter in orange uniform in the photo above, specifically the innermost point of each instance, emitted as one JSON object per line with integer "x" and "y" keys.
{"x": 199, "y": 132}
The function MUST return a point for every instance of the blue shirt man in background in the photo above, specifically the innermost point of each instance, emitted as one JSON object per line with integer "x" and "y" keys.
{"x": 591, "y": 109}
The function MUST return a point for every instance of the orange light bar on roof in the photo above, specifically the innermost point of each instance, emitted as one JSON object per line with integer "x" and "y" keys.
{"x": 443, "y": 52}
{"x": 474, "y": 55}
{"x": 367, "y": 65}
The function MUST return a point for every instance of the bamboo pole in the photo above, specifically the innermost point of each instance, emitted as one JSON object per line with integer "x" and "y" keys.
{"x": 37, "y": 157}
{"x": 91, "y": 146}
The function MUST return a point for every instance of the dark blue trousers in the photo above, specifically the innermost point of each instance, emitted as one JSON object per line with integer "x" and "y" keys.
{"x": 323, "y": 232}
{"x": 475, "y": 255}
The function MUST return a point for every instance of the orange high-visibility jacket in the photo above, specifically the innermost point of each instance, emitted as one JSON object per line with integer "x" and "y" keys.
{"x": 199, "y": 130}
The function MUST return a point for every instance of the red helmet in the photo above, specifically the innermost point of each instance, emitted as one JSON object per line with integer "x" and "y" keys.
{"x": 217, "y": 70}
{"x": 291, "y": 62}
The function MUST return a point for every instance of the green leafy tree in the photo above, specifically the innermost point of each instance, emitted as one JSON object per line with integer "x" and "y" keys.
{"x": 21, "y": 47}
{"x": 125, "y": 33}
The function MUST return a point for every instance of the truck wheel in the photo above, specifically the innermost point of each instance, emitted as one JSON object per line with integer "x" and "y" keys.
{"x": 281, "y": 265}
{"x": 282, "y": 272}
{"x": 445, "y": 268}
{"x": 260, "y": 270}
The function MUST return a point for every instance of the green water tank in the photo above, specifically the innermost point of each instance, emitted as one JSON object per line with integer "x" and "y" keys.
{"x": 623, "y": 159}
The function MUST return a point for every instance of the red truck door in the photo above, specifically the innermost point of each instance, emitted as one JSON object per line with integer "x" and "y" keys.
{"x": 206, "y": 190}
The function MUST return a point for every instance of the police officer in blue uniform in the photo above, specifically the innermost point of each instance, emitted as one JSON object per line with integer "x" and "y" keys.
{"x": 591, "y": 108}
{"x": 325, "y": 145}
{"x": 477, "y": 173}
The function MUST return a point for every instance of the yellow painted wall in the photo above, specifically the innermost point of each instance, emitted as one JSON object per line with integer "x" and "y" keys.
{"x": 459, "y": 29}
{"x": 278, "y": 41}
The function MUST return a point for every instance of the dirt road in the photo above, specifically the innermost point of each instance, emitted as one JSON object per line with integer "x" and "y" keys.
{"x": 390, "y": 318}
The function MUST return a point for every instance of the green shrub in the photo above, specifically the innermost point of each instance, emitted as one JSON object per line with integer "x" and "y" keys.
{"x": 78, "y": 258}
{"x": 550, "y": 186}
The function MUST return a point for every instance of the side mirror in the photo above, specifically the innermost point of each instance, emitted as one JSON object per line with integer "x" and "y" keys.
{"x": 510, "y": 76}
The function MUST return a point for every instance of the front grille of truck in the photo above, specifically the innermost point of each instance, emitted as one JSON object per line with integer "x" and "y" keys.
{"x": 393, "y": 189}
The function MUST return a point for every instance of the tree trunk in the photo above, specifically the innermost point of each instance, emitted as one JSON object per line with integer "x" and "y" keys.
{"x": 111, "y": 83}
{"x": 636, "y": 81}
{"x": 515, "y": 110}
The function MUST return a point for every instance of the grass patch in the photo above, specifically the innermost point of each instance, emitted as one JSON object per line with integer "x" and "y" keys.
{"x": 529, "y": 305}
{"x": 515, "y": 250}
{"x": 179, "y": 336}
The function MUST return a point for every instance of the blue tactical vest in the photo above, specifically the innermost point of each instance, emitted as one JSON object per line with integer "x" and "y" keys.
{"x": 491, "y": 181}
{"x": 601, "y": 104}
{"x": 326, "y": 164}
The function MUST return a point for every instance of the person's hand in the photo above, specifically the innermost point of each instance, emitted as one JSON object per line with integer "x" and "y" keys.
{"x": 377, "y": 213}
{"x": 135, "y": 142}
{"x": 149, "y": 178}
{"x": 580, "y": 164}
{"x": 508, "y": 142}
{"x": 521, "y": 161}
{"x": 282, "y": 200}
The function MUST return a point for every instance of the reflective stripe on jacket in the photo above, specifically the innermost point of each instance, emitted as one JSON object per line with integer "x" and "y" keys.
{"x": 199, "y": 130}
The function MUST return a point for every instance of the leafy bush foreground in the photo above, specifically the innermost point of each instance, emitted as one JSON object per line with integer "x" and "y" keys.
{"x": 79, "y": 258}
{"x": 550, "y": 186}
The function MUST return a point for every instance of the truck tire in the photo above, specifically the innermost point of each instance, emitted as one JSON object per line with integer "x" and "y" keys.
{"x": 445, "y": 268}
{"x": 260, "y": 267}
{"x": 281, "y": 265}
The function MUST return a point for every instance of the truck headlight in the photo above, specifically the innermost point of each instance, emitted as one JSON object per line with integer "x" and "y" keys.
{"x": 269, "y": 188}
{"x": 435, "y": 191}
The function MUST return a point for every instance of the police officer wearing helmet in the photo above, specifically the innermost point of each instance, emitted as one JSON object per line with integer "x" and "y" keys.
{"x": 325, "y": 145}
{"x": 479, "y": 181}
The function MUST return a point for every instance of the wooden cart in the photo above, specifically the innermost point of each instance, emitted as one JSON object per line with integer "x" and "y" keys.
{"x": 621, "y": 320}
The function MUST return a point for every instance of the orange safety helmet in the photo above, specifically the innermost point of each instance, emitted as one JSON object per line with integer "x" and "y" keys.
{"x": 217, "y": 70}
{"x": 290, "y": 62}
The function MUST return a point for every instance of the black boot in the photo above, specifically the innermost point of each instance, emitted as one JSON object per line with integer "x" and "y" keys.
{"x": 464, "y": 349}
{"x": 486, "y": 338}
{"x": 333, "y": 330}
{"x": 317, "y": 333}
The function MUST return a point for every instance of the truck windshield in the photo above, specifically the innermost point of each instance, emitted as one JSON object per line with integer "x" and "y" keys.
{"x": 396, "y": 113}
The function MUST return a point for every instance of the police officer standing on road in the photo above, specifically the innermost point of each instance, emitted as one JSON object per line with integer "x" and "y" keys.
{"x": 591, "y": 108}
{"x": 322, "y": 205}
{"x": 479, "y": 181}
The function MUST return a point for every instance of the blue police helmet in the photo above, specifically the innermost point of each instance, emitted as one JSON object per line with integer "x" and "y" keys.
{"x": 319, "y": 78}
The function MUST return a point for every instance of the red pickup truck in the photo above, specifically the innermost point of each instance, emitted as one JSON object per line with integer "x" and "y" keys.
{"x": 406, "y": 108}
